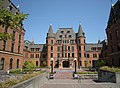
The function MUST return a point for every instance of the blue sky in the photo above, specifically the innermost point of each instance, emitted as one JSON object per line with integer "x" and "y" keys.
{"x": 92, "y": 14}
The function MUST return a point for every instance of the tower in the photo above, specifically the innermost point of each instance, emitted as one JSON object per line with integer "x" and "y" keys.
{"x": 81, "y": 46}
{"x": 50, "y": 40}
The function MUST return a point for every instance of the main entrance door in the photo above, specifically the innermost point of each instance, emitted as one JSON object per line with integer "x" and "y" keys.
{"x": 65, "y": 64}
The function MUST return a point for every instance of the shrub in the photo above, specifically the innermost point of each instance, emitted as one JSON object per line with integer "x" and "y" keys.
{"x": 29, "y": 65}
{"x": 112, "y": 69}
{"x": 8, "y": 83}
{"x": 16, "y": 71}
{"x": 86, "y": 72}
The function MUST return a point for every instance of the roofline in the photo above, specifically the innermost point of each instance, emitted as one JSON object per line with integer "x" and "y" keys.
{"x": 13, "y": 5}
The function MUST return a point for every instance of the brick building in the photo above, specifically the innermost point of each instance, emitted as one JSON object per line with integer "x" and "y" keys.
{"x": 11, "y": 50}
{"x": 63, "y": 47}
{"x": 113, "y": 35}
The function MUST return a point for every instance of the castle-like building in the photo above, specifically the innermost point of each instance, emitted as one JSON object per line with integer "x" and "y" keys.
{"x": 64, "y": 47}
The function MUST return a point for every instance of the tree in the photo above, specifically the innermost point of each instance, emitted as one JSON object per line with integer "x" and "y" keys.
{"x": 10, "y": 20}
{"x": 29, "y": 65}
{"x": 100, "y": 63}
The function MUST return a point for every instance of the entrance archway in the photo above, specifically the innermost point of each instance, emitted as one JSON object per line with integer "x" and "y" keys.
{"x": 65, "y": 64}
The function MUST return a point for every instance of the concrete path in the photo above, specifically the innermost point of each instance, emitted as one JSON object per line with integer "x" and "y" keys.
{"x": 63, "y": 79}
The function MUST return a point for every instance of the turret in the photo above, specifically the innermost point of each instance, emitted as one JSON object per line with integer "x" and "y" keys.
{"x": 81, "y": 46}
{"x": 50, "y": 40}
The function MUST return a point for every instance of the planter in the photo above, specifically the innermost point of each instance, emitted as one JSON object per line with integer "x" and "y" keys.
{"x": 108, "y": 76}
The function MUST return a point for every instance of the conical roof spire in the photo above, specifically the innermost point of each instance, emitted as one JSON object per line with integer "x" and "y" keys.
{"x": 50, "y": 32}
{"x": 80, "y": 31}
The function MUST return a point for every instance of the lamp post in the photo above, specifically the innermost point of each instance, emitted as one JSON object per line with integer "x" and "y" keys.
{"x": 52, "y": 65}
{"x": 75, "y": 64}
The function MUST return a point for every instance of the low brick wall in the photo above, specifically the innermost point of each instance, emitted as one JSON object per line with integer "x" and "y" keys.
{"x": 107, "y": 76}
{"x": 35, "y": 82}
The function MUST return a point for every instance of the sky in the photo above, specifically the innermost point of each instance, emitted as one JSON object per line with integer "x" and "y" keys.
{"x": 92, "y": 14}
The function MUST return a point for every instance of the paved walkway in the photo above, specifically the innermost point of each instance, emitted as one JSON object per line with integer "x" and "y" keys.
{"x": 63, "y": 79}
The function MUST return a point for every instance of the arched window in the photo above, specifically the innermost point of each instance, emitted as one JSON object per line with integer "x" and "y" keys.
{"x": 11, "y": 62}
{"x": 2, "y": 64}
{"x": 17, "y": 63}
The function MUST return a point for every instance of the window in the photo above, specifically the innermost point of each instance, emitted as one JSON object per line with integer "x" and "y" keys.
{"x": 51, "y": 54}
{"x": 68, "y": 48}
{"x": 51, "y": 47}
{"x": 18, "y": 49}
{"x": 59, "y": 41}
{"x": 51, "y": 41}
{"x": 19, "y": 38}
{"x": 2, "y": 64}
{"x": 72, "y": 54}
{"x": 93, "y": 48}
{"x": 13, "y": 38}
{"x": 11, "y": 62}
{"x": 94, "y": 55}
{"x": 79, "y": 54}
{"x": 32, "y": 49}
{"x": 65, "y": 54}
{"x": 62, "y": 54}
{"x": 37, "y": 49}
{"x": 68, "y": 31}
{"x": 84, "y": 55}
{"x": 12, "y": 47}
{"x": 37, "y": 55}
{"x": 80, "y": 48}
{"x": 17, "y": 63}
{"x": 58, "y": 48}
{"x": 68, "y": 54}
{"x": 62, "y": 31}
{"x": 58, "y": 55}
{"x": 10, "y": 7}
{"x": 89, "y": 61}
{"x": 117, "y": 33}
{"x": 32, "y": 55}
{"x": 88, "y": 55}
{"x": 118, "y": 46}
{"x": 70, "y": 36}
{"x": 4, "y": 44}
{"x": 73, "y": 48}
{"x": 60, "y": 36}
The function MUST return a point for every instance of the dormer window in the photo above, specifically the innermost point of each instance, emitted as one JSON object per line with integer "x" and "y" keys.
{"x": 60, "y": 36}
{"x": 62, "y": 31}
{"x": 68, "y": 31}
{"x": 70, "y": 36}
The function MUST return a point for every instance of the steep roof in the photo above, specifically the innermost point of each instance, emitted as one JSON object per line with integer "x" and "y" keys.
{"x": 50, "y": 32}
{"x": 80, "y": 31}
